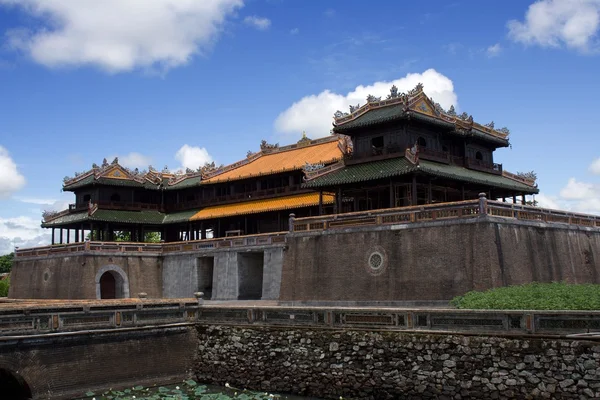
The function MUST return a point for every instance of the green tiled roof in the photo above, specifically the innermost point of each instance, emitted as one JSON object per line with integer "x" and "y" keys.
{"x": 393, "y": 112}
{"x": 88, "y": 180}
{"x": 139, "y": 217}
{"x": 186, "y": 183}
{"x": 469, "y": 175}
{"x": 181, "y": 216}
{"x": 67, "y": 219}
{"x": 373, "y": 117}
{"x": 125, "y": 217}
{"x": 401, "y": 166}
{"x": 364, "y": 172}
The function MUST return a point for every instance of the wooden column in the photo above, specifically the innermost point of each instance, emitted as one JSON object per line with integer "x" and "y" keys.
{"x": 429, "y": 193}
{"x": 52, "y": 235}
{"x": 392, "y": 199}
{"x": 68, "y": 236}
{"x": 338, "y": 201}
{"x": 320, "y": 202}
{"x": 462, "y": 189}
{"x": 514, "y": 199}
{"x": 61, "y": 235}
{"x": 523, "y": 199}
{"x": 76, "y": 235}
{"x": 414, "y": 198}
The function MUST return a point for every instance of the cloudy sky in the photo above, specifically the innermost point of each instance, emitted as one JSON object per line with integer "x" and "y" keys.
{"x": 181, "y": 82}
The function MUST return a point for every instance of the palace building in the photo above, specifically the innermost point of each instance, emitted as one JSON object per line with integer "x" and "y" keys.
{"x": 404, "y": 150}
{"x": 403, "y": 201}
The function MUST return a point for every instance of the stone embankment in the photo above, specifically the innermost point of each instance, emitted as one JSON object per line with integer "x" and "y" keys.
{"x": 388, "y": 365}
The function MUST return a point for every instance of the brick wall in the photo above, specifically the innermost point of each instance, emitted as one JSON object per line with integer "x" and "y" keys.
{"x": 435, "y": 261}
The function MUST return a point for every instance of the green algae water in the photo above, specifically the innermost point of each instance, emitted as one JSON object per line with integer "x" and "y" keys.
{"x": 187, "y": 390}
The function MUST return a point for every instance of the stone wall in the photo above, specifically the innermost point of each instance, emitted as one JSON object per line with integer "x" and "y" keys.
{"x": 390, "y": 365}
{"x": 65, "y": 367}
{"x": 174, "y": 275}
{"x": 435, "y": 260}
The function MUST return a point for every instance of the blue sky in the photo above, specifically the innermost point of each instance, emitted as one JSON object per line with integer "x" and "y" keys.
{"x": 177, "y": 83}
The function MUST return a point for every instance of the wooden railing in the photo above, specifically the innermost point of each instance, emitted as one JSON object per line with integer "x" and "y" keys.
{"x": 155, "y": 248}
{"x": 443, "y": 211}
{"x": 530, "y": 213}
{"x": 401, "y": 215}
{"x": 481, "y": 165}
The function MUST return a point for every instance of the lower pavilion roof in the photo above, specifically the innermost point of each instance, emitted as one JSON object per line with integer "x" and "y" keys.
{"x": 401, "y": 166}
{"x": 115, "y": 216}
{"x": 150, "y": 217}
{"x": 258, "y": 206}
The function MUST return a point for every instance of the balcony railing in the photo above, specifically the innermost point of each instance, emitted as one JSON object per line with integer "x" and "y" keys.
{"x": 154, "y": 248}
{"x": 480, "y": 165}
{"x": 443, "y": 211}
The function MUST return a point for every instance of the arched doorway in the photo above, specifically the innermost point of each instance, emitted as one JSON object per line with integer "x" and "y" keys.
{"x": 108, "y": 288}
{"x": 112, "y": 283}
{"x": 13, "y": 387}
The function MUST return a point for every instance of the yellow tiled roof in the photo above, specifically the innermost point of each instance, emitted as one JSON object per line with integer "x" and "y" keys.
{"x": 281, "y": 161}
{"x": 258, "y": 206}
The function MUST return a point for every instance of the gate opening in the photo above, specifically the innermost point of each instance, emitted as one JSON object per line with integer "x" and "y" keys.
{"x": 13, "y": 387}
{"x": 206, "y": 267}
{"x": 108, "y": 286}
{"x": 250, "y": 275}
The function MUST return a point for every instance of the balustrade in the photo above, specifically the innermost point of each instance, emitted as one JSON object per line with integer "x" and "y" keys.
{"x": 156, "y": 248}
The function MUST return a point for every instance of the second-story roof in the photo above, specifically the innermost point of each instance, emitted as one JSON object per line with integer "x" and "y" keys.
{"x": 273, "y": 159}
{"x": 416, "y": 105}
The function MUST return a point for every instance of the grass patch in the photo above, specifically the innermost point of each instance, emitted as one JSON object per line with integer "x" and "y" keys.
{"x": 533, "y": 296}
{"x": 4, "y": 285}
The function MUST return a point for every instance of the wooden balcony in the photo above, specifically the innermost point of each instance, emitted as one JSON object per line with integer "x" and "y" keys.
{"x": 235, "y": 198}
{"x": 479, "y": 165}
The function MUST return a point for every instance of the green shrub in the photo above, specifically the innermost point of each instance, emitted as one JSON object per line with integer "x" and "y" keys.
{"x": 533, "y": 296}
{"x": 4, "y": 284}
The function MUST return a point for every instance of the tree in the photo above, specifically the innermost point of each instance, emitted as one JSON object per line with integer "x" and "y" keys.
{"x": 6, "y": 262}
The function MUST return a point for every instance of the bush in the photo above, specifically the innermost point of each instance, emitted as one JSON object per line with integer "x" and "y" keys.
{"x": 4, "y": 284}
{"x": 533, "y": 296}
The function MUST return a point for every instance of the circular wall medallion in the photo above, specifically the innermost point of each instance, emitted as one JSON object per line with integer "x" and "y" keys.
{"x": 376, "y": 262}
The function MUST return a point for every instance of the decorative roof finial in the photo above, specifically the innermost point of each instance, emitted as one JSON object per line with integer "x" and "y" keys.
{"x": 304, "y": 139}
{"x": 373, "y": 99}
{"x": 393, "y": 92}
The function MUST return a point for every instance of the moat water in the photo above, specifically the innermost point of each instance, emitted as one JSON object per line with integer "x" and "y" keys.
{"x": 187, "y": 390}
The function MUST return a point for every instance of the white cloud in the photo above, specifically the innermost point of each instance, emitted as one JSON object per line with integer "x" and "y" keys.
{"x": 22, "y": 232}
{"x": 595, "y": 167}
{"x": 135, "y": 160}
{"x": 10, "y": 178}
{"x": 294, "y": 31}
{"x": 119, "y": 35}
{"x": 576, "y": 190}
{"x": 494, "y": 51}
{"x": 35, "y": 200}
{"x": 546, "y": 201}
{"x": 192, "y": 157}
{"x": 260, "y": 23}
{"x": 556, "y": 23}
{"x": 314, "y": 113}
